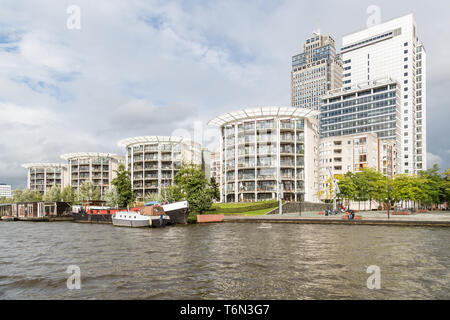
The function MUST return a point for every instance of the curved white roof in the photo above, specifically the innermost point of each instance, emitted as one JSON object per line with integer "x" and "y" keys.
{"x": 262, "y": 112}
{"x": 76, "y": 155}
{"x": 43, "y": 165}
{"x": 154, "y": 139}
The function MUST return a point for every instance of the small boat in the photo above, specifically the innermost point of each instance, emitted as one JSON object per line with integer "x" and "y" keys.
{"x": 9, "y": 218}
{"x": 153, "y": 216}
{"x": 177, "y": 211}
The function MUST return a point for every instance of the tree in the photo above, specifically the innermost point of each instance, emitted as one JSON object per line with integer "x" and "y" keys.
{"x": 53, "y": 194}
{"x": 6, "y": 200}
{"x": 68, "y": 195}
{"x": 112, "y": 197}
{"x": 347, "y": 187}
{"x": 172, "y": 193}
{"x": 88, "y": 191}
{"x": 123, "y": 184}
{"x": 26, "y": 195}
{"x": 215, "y": 188}
{"x": 193, "y": 183}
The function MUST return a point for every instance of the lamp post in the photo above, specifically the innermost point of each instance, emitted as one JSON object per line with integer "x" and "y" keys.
{"x": 280, "y": 198}
{"x": 300, "y": 204}
{"x": 389, "y": 200}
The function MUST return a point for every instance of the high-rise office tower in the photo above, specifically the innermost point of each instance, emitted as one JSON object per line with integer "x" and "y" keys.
{"x": 315, "y": 71}
{"x": 392, "y": 49}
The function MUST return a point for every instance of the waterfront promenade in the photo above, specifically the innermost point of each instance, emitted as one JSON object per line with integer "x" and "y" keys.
{"x": 437, "y": 219}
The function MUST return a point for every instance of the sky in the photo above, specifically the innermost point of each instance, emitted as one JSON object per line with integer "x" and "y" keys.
{"x": 138, "y": 68}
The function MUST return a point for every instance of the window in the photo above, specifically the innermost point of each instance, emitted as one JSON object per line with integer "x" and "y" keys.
{"x": 405, "y": 44}
{"x": 405, "y": 74}
{"x": 405, "y": 52}
{"x": 405, "y": 82}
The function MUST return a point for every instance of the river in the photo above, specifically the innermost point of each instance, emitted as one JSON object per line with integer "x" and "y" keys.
{"x": 223, "y": 261}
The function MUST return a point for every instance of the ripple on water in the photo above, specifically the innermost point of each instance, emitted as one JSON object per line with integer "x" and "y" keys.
{"x": 222, "y": 261}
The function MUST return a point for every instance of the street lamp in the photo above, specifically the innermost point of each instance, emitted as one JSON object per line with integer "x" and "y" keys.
{"x": 389, "y": 199}
{"x": 300, "y": 204}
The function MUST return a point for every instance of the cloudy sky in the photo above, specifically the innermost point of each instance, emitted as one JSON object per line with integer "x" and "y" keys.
{"x": 162, "y": 67}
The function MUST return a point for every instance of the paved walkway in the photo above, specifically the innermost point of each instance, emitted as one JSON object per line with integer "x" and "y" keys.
{"x": 368, "y": 218}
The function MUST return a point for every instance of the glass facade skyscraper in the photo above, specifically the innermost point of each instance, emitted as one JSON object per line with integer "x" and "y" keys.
{"x": 314, "y": 72}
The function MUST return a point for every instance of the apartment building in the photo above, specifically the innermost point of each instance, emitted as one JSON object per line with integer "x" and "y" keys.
{"x": 98, "y": 168}
{"x": 215, "y": 165}
{"x": 315, "y": 71}
{"x": 392, "y": 49}
{"x": 268, "y": 153}
{"x": 5, "y": 190}
{"x": 42, "y": 176}
{"x": 153, "y": 161}
{"x": 352, "y": 153}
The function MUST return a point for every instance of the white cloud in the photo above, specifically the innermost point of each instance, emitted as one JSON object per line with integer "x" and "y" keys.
{"x": 152, "y": 67}
{"x": 434, "y": 159}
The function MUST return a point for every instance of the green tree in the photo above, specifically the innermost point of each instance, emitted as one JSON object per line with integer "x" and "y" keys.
{"x": 69, "y": 195}
{"x": 6, "y": 200}
{"x": 26, "y": 195}
{"x": 123, "y": 184}
{"x": 53, "y": 194}
{"x": 215, "y": 188}
{"x": 112, "y": 197}
{"x": 88, "y": 191}
{"x": 17, "y": 195}
{"x": 153, "y": 196}
{"x": 347, "y": 187}
{"x": 172, "y": 193}
{"x": 193, "y": 183}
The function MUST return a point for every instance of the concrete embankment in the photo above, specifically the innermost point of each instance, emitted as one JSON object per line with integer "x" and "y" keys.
{"x": 45, "y": 219}
{"x": 409, "y": 221}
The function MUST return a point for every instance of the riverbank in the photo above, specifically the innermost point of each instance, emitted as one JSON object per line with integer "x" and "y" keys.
{"x": 41, "y": 219}
{"x": 368, "y": 218}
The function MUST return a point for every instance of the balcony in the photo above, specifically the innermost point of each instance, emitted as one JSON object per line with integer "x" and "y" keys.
{"x": 286, "y": 138}
{"x": 151, "y": 158}
{"x": 286, "y": 125}
{"x": 151, "y": 148}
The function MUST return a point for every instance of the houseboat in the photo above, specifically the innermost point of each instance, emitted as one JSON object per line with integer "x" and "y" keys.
{"x": 150, "y": 216}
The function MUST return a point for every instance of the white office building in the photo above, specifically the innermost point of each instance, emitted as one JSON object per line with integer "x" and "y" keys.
{"x": 153, "y": 161}
{"x": 42, "y": 176}
{"x": 392, "y": 50}
{"x": 5, "y": 190}
{"x": 268, "y": 153}
{"x": 98, "y": 168}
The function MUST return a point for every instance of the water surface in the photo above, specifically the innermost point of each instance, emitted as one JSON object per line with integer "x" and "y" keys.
{"x": 223, "y": 261}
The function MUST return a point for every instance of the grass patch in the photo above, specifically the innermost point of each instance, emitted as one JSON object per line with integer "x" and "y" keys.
{"x": 227, "y": 208}
{"x": 259, "y": 212}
